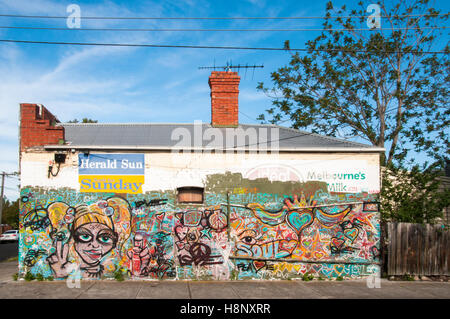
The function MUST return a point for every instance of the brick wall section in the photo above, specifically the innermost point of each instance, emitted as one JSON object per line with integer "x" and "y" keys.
{"x": 224, "y": 98}
{"x": 37, "y": 127}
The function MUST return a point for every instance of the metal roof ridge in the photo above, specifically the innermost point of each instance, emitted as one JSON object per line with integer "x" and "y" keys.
{"x": 154, "y": 147}
{"x": 155, "y": 123}
{"x": 124, "y": 124}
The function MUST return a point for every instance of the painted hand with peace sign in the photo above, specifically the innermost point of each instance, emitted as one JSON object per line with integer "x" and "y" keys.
{"x": 58, "y": 260}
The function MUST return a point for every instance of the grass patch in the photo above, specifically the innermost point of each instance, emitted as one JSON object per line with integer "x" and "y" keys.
{"x": 119, "y": 274}
{"x": 308, "y": 277}
{"x": 29, "y": 276}
{"x": 408, "y": 277}
{"x": 39, "y": 277}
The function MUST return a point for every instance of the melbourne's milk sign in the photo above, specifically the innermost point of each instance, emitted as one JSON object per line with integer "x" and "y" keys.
{"x": 111, "y": 173}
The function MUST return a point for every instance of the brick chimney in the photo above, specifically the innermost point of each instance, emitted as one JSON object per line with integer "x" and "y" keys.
{"x": 38, "y": 127}
{"x": 224, "y": 98}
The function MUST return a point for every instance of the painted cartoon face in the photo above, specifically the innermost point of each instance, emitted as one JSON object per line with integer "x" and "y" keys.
{"x": 93, "y": 241}
{"x": 139, "y": 241}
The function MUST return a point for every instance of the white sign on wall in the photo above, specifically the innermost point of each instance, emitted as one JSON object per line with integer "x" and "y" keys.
{"x": 343, "y": 176}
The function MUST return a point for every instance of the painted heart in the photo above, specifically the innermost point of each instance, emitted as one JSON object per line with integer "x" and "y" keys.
{"x": 287, "y": 246}
{"x": 299, "y": 220}
{"x": 337, "y": 242}
{"x": 317, "y": 268}
{"x": 258, "y": 264}
{"x": 351, "y": 233}
{"x": 318, "y": 255}
{"x": 297, "y": 268}
{"x": 327, "y": 271}
{"x": 180, "y": 232}
{"x": 160, "y": 216}
{"x": 339, "y": 269}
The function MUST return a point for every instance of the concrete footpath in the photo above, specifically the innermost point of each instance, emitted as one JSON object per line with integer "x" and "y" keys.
{"x": 10, "y": 289}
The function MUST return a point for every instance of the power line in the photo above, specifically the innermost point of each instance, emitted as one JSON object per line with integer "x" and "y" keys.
{"x": 212, "y": 30}
{"x": 13, "y": 174}
{"x": 213, "y": 47}
{"x": 218, "y": 18}
{"x": 247, "y": 116}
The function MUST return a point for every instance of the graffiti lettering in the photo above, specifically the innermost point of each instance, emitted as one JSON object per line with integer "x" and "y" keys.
{"x": 150, "y": 203}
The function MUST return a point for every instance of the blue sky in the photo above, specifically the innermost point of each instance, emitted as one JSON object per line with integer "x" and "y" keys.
{"x": 113, "y": 84}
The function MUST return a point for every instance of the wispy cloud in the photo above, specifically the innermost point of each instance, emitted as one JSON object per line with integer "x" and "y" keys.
{"x": 44, "y": 7}
{"x": 113, "y": 84}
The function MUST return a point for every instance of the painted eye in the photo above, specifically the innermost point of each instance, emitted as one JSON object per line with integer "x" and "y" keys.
{"x": 105, "y": 239}
{"x": 249, "y": 240}
{"x": 60, "y": 236}
{"x": 85, "y": 237}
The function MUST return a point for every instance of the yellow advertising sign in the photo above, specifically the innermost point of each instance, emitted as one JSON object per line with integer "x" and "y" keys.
{"x": 111, "y": 183}
{"x": 111, "y": 173}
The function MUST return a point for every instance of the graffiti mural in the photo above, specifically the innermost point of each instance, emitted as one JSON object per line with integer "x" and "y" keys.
{"x": 240, "y": 235}
{"x": 304, "y": 231}
{"x": 201, "y": 241}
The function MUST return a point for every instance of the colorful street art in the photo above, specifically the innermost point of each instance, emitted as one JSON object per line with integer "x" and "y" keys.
{"x": 239, "y": 235}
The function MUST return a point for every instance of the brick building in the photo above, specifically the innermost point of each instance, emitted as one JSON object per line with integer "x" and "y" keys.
{"x": 220, "y": 200}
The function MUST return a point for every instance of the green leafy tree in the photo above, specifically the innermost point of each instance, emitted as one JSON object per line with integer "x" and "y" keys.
{"x": 10, "y": 214}
{"x": 381, "y": 85}
{"x": 388, "y": 87}
{"x": 414, "y": 195}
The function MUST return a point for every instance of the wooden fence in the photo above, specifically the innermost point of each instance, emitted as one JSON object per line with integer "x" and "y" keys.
{"x": 416, "y": 249}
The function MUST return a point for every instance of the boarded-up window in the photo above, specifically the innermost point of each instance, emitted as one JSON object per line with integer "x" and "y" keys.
{"x": 190, "y": 195}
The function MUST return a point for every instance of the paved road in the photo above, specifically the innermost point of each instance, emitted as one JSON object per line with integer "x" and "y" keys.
{"x": 8, "y": 250}
{"x": 218, "y": 290}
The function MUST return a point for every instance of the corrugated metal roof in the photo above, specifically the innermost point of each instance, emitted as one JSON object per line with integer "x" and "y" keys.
{"x": 169, "y": 135}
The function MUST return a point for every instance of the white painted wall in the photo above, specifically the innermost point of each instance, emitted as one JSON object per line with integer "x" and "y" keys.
{"x": 167, "y": 171}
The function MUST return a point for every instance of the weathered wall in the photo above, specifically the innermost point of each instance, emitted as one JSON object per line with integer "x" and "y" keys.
{"x": 252, "y": 225}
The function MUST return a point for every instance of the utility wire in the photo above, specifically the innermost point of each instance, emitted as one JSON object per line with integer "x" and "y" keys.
{"x": 211, "y": 30}
{"x": 14, "y": 174}
{"x": 212, "y": 47}
{"x": 217, "y": 18}
{"x": 249, "y": 117}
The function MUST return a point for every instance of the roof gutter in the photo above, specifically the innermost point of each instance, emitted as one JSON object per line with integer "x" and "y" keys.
{"x": 179, "y": 148}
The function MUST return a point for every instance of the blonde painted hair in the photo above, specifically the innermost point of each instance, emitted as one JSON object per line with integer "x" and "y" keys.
{"x": 91, "y": 214}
